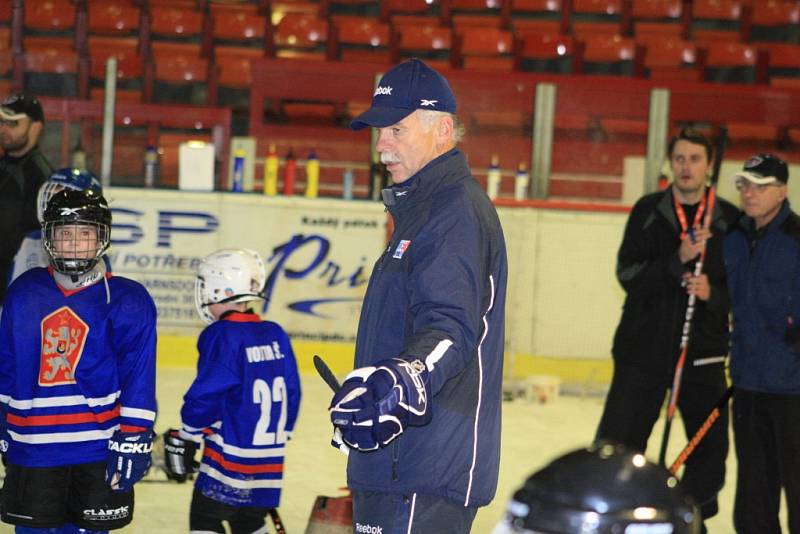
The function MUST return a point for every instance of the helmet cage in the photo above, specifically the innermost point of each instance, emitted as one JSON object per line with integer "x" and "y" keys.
{"x": 82, "y": 254}
{"x": 228, "y": 275}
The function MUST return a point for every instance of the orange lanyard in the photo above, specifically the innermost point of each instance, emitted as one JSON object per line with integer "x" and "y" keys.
{"x": 682, "y": 214}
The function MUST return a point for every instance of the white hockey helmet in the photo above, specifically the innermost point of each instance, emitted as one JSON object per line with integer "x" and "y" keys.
{"x": 228, "y": 275}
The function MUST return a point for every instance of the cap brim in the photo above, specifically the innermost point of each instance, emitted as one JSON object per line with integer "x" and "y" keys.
{"x": 379, "y": 117}
{"x": 755, "y": 178}
{"x": 11, "y": 115}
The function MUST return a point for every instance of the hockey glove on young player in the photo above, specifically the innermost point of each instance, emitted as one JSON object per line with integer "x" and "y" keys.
{"x": 375, "y": 404}
{"x": 128, "y": 458}
{"x": 179, "y": 460}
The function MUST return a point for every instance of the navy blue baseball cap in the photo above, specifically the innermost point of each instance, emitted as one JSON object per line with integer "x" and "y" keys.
{"x": 409, "y": 86}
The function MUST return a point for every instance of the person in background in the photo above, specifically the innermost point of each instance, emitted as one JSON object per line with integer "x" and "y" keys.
{"x": 663, "y": 239}
{"x": 243, "y": 404}
{"x": 23, "y": 169}
{"x": 762, "y": 257}
{"x": 420, "y": 414}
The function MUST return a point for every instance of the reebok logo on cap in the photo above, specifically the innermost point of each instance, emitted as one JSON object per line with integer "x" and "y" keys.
{"x": 382, "y": 91}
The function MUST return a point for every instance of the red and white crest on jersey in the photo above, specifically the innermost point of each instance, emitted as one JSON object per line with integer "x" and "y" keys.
{"x": 63, "y": 337}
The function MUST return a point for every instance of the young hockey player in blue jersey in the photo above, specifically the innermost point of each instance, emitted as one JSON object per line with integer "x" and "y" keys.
{"x": 77, "y": 380}
{"x": 242, "y": 406}
{"x": 31, "y": 252}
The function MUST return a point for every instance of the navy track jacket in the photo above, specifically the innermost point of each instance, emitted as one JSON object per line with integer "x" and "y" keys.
{"x": 437, "y": 293}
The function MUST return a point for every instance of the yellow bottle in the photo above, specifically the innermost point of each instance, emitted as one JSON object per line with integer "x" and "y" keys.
{"x": 271, "y": 172}
{"x": 312, "y": 176}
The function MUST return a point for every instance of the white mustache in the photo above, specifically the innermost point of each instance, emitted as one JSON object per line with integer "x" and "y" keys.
{"x": 388, "y": 157}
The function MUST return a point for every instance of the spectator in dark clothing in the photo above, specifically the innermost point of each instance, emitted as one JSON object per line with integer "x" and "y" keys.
{"x": 23, "y": 169}
{"x": 663, "y": 238}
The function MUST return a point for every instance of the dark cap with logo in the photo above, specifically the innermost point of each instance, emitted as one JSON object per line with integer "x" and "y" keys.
{"x": 19, "y": 105}
{"x": 764, "y": 169}
{"x": 409, "y": 86}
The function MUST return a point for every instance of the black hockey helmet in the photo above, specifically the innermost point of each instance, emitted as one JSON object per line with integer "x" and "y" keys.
{"x": 601, "y": 489}
{"x": 76, "y": 254}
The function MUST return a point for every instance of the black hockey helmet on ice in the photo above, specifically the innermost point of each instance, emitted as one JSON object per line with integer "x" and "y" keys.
{"x": 601, "y": 489}
{"x": 70, "y": 250}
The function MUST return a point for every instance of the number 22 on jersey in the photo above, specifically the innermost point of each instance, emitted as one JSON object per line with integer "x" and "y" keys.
{"x": 265, "y": 396}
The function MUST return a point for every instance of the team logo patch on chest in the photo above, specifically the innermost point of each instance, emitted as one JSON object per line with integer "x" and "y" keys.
{"x": 401, "y": 248}
{"x": 63, "y": 337}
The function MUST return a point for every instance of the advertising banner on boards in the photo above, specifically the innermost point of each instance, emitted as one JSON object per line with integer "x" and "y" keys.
{"x": 318, "y": 252}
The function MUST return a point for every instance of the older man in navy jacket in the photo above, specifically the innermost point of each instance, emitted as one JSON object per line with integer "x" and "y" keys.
{"x": 420, "y": 414}
{"x": 762, "y": 257}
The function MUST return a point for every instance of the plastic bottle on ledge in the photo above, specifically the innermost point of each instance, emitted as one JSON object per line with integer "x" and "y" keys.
{"x": 347, "y": 184}
{"x": 493, "y": 178}
{"x": 271, "y": 171}
{"x": 237, "y": 182}
{"x": 289, "y": 172}
{"x": 521, "y": 182}
{"x": 78, "y": 159}
{"x": 150, "y": 166}
{"x": 312, "y": 176}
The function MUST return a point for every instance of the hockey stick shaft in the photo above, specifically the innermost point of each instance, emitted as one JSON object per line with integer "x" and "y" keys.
{"x": 702, "y": 431}
{"x": 711, "y": 199}
{"x": 325, "y": 372}
{"x": 277, "y": 521}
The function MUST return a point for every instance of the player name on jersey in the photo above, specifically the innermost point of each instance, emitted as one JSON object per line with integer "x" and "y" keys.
{"x": 264, "y": 353}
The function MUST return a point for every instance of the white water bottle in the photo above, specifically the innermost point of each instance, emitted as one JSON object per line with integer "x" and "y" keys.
{"x": 521, "y": 182}
{"x": 493, "y": 178}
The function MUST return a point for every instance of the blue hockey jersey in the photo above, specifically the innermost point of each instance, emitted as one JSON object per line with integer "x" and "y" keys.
{"x": 75, "y": 366}
{"x": 243, "y": 404}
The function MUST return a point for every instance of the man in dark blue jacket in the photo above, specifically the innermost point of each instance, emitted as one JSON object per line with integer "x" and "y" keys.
{"x": 420, "y": 414}
{"x": 762, "y": 257}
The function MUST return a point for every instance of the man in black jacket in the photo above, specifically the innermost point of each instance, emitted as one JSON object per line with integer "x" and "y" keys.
{"x": 663, "y": 238}
{"x": 23, "y": 169}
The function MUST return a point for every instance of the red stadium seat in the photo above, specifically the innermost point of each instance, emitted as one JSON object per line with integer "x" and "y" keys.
{"x": 51, "y": 66}
{"x": 663, "y": 17}
{"x": 130, "y": 69}
{"x": 431, "y": 43}
{"x": 182, "y": 75}
{"x": 361, "y": 39}
{"x": 783, "y": 65}
{"x": 113, "y": 17}
{"x": 175, "y": 23}
{"x": 461, "y": 13}
{"x": 390, "y": 8}
{"x": 479, "y": 48}
{"x": 238, "y": 25}
{"x": 776, "y": 21}
{"x": 716, "y": 20}
{"x": 50, "y": 16}
{"x": 301, "y": 36}
{"x": 234, "y": 64}
{"x": 551, "y": 52}
{"x": 611, "y": 54}
{"x": 592, "y": 17}
{"x": 669, "y": 58}
{"x": 731, "y": 63}
{"x": 533, "y": 10}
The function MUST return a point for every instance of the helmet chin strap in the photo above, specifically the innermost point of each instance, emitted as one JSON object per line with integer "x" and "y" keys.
{"x": 75, "y": 281}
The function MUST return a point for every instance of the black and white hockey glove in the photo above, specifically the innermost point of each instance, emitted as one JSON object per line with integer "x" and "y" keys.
{"x": 128, "y": 458}
{"x": 179, "y": 462}
{"x": 375, "y": 404}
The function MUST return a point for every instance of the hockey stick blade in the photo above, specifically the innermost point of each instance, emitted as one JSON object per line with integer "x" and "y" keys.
{"x": 326, "y": 373}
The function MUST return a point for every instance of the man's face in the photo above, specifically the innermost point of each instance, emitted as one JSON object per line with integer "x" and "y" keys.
{"x": 690, "y": 166}
{"x": 75, "y": 241}
{"x": 15, "y": 135}
{"x": 407, "y": 146}
{"x": 761, "y": 202}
